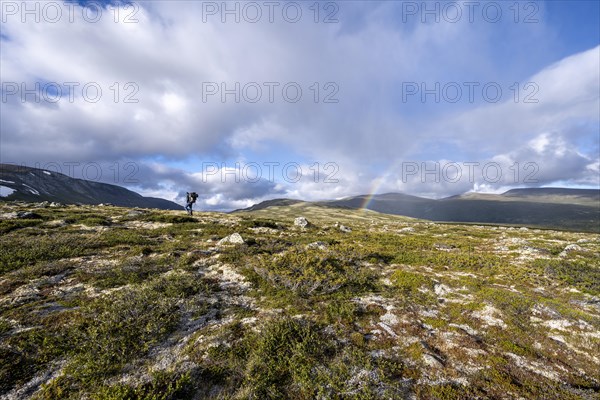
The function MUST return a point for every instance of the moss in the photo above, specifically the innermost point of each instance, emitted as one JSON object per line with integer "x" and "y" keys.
{"x": 163, "y": 386}
{"x": 169, "y": 218}
{"x": 261, "y": 223}
{"x": 114, "y": 331}
{"x": 95, "y": 221}
{"x": 309, "y": 272}
{"x": 122, "y": 237}
{"x": 410, "y": 282}
{"x": 10, "y": 225}
{"x": 584, "y": 275}
{"x": 340, "y": 311}
{"x": 29, "y": 352}
{"x": 21, "y": 251}
{"x": 130, "y": 271}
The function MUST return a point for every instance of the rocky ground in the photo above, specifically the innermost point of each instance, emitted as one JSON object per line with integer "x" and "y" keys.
{"x": 292, "y": 302}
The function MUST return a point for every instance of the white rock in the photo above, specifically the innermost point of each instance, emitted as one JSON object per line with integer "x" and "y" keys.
{"x": 56, "y": 223}
{"x": 301, "y": 222}
{"x": 488, "y": 316}
{"x": 441, "y": 289}
{"x": 234, "y": 238}
{"x": 465, "y": 328}
{"x": 572, "y": 247}
{"x": 388, "y": 329}
{"x": 345, "y": 228}
{"x": 317, "y": 245}
{"x": 431, "y": 361}
{"x": 262, "y": 229}
{"x": 389, "y": 319}
{"x": 558, "y": 324}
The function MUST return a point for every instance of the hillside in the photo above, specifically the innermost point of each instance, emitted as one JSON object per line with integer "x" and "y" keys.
{"x": 110, "y": 302}
{"x": 33, "y": 184}
{"x": 555, "y": 208}
{"x": 585, "y": 197}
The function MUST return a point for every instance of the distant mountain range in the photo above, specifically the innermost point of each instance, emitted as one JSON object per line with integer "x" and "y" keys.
{"x": 575, "y": 209}
{"x": 37, "y": 185}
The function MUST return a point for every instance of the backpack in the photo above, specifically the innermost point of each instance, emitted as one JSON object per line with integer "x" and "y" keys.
{"x": 194, "y": 196}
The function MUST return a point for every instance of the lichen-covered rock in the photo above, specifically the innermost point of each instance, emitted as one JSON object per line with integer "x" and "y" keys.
{"x": 572, "y": 247}
{"x": 234, "y": 238}
{"x": 345, "y": 229}
{"x": 301, "y": 222}
{"x": 317, "y": 245}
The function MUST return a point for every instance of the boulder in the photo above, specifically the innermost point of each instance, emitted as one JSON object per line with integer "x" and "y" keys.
{"x": 572, "y": 247}
{"x": 342, "y": 227}
{"x": 345, "y": 229}
{"x": 301, "y": 222}
{"x": 317, "y": 245}
{"x": 234, "y": 238}
{"x": 28, "y": 215}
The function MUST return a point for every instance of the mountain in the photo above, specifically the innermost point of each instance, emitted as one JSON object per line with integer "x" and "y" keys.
{"x": 574, "y": 209}
{"x": 556, "y": 195}
{"x": 589, "y": 197}
{"x": 271, "y": 203}
{"x": 36, "y": 185}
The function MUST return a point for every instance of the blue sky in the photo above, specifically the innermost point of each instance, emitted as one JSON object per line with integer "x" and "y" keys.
{"x": 141, "y": 88}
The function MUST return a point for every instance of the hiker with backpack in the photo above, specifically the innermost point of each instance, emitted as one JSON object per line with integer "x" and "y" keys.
{"x": 190, "y": 199}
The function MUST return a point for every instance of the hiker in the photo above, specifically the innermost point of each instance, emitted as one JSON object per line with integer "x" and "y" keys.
{"x": 190, "y": 199}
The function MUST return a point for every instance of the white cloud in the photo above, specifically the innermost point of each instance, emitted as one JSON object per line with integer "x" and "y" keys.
{"x": 164, "y": 61}
{"x": 566, "y": 93}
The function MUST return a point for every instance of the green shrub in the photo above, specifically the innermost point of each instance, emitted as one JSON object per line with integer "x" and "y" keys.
{"x": 169, "y": 218}
{"x": 410, "y": 282}
{"x": 130, "y": 271}
{"x": 118, "y": 329}
{"x": 10, "y": 225}
{"x": 584, "y": 275}
{"x": 163, "y": 386}
{"x": 95, "y": 221}
{"x": 261, "y": 223}
{"x": 19, "y": 251}
{"x": 313, "y": 272}
{"x": 283, "y": 357}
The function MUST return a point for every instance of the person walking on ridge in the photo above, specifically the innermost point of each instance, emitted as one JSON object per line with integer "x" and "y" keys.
{"x": 190, "y": 199}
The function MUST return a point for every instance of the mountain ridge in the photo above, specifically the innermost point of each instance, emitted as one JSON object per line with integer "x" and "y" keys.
{"x": 37, "y": 185}
{"x": 575, "y": 209}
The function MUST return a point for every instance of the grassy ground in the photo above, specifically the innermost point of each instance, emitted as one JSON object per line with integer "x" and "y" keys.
{"x": 110, "y": 303}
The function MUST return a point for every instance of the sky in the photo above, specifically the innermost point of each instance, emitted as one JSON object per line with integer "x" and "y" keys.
{"x": 246, "y": 101}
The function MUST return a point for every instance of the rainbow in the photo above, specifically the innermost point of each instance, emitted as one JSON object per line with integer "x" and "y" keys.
{"x": 375, "y": 185}
{"x": 392, "y": 172}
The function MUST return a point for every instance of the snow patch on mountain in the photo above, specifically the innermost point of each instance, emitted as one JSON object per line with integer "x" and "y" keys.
{"x": 6, "y": 191}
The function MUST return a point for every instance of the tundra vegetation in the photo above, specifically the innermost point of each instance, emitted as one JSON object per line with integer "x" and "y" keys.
{"x": 115, "y": 303}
